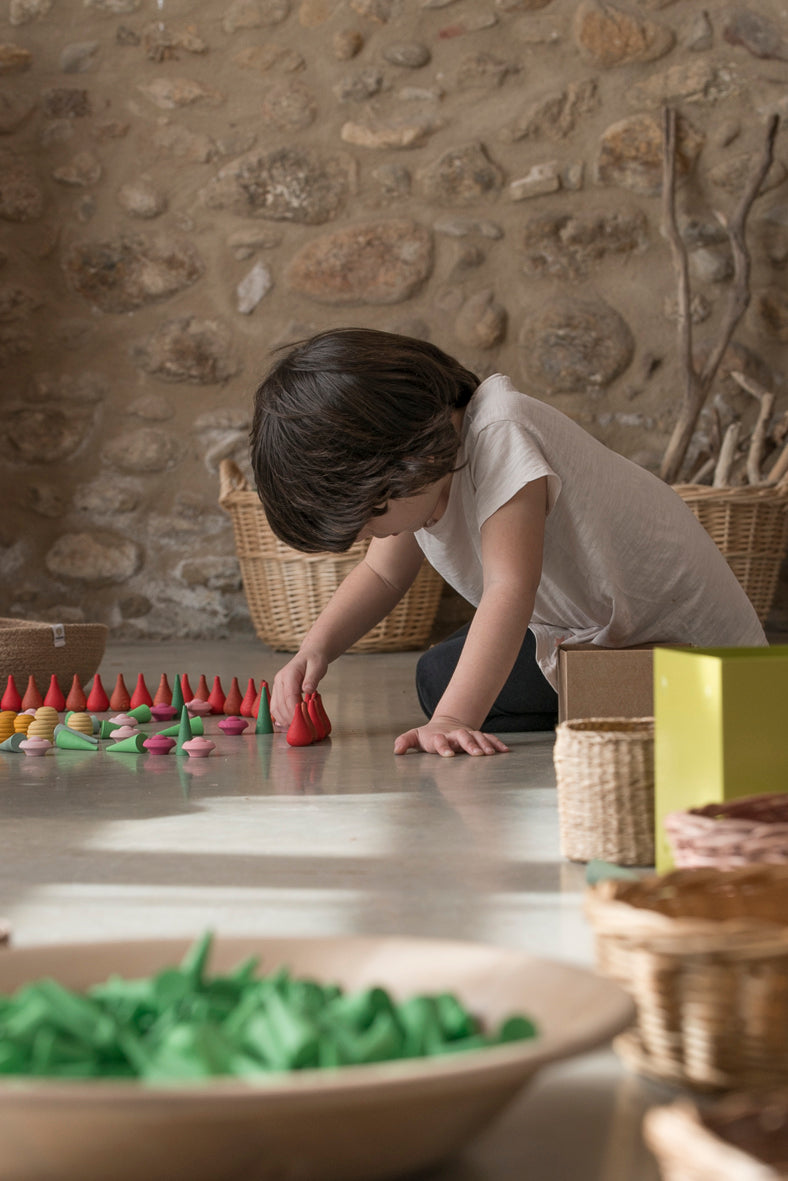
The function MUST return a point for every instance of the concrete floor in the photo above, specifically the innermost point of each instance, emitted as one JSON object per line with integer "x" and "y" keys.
{"x": 341, "y": 837}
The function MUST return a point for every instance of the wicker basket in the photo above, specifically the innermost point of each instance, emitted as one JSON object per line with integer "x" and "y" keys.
{"x": 750, "y": 527}
{"x": 739, "y": 1138}
{"x": 604, "y": 771}
{"x": 704, "y": 954}
{"x": 286, "y": 590}
{"x": 28, "y": 648}
{"x": 739, "y": 832}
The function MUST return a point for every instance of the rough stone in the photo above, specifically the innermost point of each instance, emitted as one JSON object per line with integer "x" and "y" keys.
{"x": 711, "y": 266}
{"x": 14, "y": 110}
{"x": 610, "y": 37}
{"x": 171, "y": 93}
{"x": 540, "y": 179}
{"x": 84, "y": 169}
{"x": 254, "y": 14}
{"x": 698, "y": 34}
{"x": 770, "y": 307}
{"x": 732, "y": 175}
{"x": 630, "y": 153}
{"x": 36, "y": 434}
{"x": 96, "y": 557}
{"x": 347, "y": 44}
{"x": 312, "y": 13}
{"x": 16, "y": 303}
{"x": 188, "y": 349}
{"x": 192, "y": 147}
{"x": 412, "y": 55}
{"x": 571, "y": 345}
{"x": 378, "y": 262}
{"x": 462, "y": 175}
{"x": 61, "y": 102}
{"x": 14, "y": 59}
{"x": 141, "y": 198}
{"x": 481, "y": 322}
{"x": 128, "y": 272}
{"x": 359, "y": 86}
{"x": 571, "y": 246}
{"x": 246, "y": 241}
{"x": 22, "y": 12}
{"x": 289, "y": 106}
{"x": 394, "y": 180}
{"x": 223, "y": 574}
{"x": 556, "y": 115}
{"x": 82, "y": 389}
{"x": 114, "y": 7}
{"x": 483, "y": 71}
{"x": 289, "y": 184}
{"x": 376, "y": 10}
{"x": 395, "y": 135}
{"x": 144, "y": 450}
{"x": 134, "y": 606}
{"x": 108, "y": 496}
{"x": 460, "y": 227}
{"x": 760, "y": 36}
{"x": 151, "y": 407}
{"x": 263, "y": 58}
{"x": 695, "y": 82}
{"x": 47, "y": 500}
{"x": 79, "y": 57}
{"x": 252, "y": 288}
{"x": 700, "y": 308}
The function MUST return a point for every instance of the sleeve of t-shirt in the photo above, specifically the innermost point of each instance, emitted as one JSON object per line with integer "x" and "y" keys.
{"x": 506, "y": 457}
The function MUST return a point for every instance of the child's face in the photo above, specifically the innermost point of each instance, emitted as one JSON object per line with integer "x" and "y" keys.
{"x": 410, "y": 513}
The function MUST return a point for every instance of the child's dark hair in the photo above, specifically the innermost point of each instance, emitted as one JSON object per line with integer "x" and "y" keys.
{"x": 345, "y": 422}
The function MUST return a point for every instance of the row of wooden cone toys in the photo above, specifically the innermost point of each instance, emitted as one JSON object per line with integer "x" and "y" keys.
{"x": 36, "y": 731}
{"x": 98, "y": 700}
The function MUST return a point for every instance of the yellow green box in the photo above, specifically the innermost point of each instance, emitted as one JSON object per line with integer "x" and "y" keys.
{"x": 720, "y": 728}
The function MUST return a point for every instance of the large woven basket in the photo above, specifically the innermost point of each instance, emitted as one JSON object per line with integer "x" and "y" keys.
{"x": 29, "y": 648}
{"x": 750, "y": 527}
{"x": 704, "y": 955}
{"x": 739, "y": 1138}
{"x": 739, "y": 832}
{"x": 286, "y": 590}
{"x": 604, "y": 771}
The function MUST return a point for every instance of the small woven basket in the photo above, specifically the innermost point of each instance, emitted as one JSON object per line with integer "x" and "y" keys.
{"x": 739, "y": 1138}
{"x": 604, "y": 771}
{"x": 738, "y": 832}
{"x": 704, "y": 955}
{"x": 29, "y": 648}
{"x": 750, "y": 527}
{"x": 286, "y": 590}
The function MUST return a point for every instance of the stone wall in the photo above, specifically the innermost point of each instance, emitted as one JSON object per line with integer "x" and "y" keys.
{"x": 184, "y": 186}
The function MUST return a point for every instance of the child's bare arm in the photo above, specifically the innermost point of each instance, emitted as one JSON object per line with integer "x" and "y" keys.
{"x": 512, "y": 540}
{"x": 368, "y": 593}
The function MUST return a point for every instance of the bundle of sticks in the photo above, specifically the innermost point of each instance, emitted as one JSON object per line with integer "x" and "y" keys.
{"x": 730, "y": 457}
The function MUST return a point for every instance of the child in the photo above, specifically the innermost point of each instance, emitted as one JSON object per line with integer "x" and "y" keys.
{"x": 550, "y": 535}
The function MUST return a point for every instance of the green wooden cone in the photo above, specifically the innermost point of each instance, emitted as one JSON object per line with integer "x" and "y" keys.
{"x": 264, "y": 725}
{"x": 141, "y": 713}
{"x": 106, "y": 728}
{"x": 177, "y": 694}
{"x": 11, "y": 744}
{"x": 185, "y": 732}
{"x": 173, "y": 731}
{"x": 68, "y": 739}
{"x": 132, "y": 745}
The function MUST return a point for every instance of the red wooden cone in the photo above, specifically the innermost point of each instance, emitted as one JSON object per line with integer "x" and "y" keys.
{"x": 232, "y": 702}
{"x": 186, "y": 689}
{"x": 163, "y": 695}
{"x": 119, "y": 698}
{"x": 97, "y": 698}
{"x": 12, "y": 698}
{"x": 321, "y": 709}
{"x": 140, "y": 696}
{"x": 216, "y": 697}
{"x": 32, "y": 698}
{"x": 76, "y": 699}
{"x": 301, "y": 732}
{"x": 314, "y": 716}
{"x": 256, "y": 706}
{"x": 54, "y": 695}
{"x": 247, "y": 705}
{"x": 202, "y": 692}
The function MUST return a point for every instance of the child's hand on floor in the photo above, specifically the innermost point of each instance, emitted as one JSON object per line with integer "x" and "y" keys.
{"x": 446, "y": 737}
{"x": 300, "y": 675}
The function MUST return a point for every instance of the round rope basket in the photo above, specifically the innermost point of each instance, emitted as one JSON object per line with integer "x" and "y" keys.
{"x": 739, "y": 1138}
{"x": 286, "y": 590}
{"x": 704, "y": 955}
{"x": 750, "y": 527}
{"x": 29, "y": 648}
{"x": 604, "y": 771}
{"x": 739, "y": 832}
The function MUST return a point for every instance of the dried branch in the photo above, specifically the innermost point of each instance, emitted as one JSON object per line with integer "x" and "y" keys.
{"x": 760, "y": 431}
{"x": 779, "y": 469}
{"x": 722, "y": 472}
{"x": 697, "y": 385}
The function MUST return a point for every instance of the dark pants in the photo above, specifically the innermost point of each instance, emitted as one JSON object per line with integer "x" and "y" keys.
{"x": 526, "y": 702}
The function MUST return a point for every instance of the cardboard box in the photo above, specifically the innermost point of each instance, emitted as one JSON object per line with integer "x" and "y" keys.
{"x": 596, "y": 682}
{"x": 721, "y": 716}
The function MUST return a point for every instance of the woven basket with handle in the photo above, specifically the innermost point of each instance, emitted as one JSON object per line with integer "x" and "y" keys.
{"x": 750, "y": 527}
{"x": 286, "y": 590}
{"x": 605, "y": 778}
{"x": 704, "y": 955}
{"x": 738, "y": 1138}
{"x": 727, "y": 835}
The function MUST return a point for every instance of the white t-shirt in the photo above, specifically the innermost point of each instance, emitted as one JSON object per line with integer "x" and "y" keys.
{"x": 625, "y": 560}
